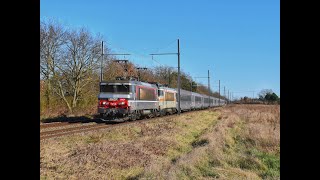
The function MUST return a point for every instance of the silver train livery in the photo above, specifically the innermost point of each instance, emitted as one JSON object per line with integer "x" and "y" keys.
{"x": 132, "y": 99}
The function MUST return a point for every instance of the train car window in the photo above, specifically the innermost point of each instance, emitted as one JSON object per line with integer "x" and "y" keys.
{"x": 146, "y": 94}
{"x": 122, "y": 89}
{"x": 198, "y": 99}
{"x": 169, "y": 96}
{"x": 160, "y": 92}
{"x": 185, "y": 98}
{"x": 206, "y": 100}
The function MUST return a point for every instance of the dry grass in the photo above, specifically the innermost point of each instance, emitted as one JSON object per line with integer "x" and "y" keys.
{"x": 244, "y": 144}
{"x": 124, "y": 152}
{"x": 237, "y": 142}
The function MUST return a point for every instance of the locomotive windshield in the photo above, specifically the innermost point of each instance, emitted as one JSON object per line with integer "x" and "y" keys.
{"x": 123, "y": 89}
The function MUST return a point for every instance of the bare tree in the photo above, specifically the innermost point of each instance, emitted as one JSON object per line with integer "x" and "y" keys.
{"x": 164, "y": 74}
{"x": 80, "y": 60}
{"x": 113, "y": 69}
{"x": 52, "y": 38}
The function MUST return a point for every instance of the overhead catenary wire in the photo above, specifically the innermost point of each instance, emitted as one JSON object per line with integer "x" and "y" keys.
{"x": 145, "y": 57}
{"x": 165, "y": 46}
{"x": 135, "y": 53}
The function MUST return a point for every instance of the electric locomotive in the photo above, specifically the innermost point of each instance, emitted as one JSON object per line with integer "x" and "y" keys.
{"x": 127, "y": 99}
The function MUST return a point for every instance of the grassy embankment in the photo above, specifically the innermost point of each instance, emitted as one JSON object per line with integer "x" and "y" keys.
{"x": 239, "y": 142}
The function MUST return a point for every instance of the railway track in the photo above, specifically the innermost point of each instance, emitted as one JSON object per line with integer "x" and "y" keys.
{"x": 51, "y": 125}
{"x": 65, "y": 130}
{"x": 72, "y": 130}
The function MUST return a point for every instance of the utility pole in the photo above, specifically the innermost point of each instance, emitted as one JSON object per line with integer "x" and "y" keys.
{"x": 228, "y": 97}
{"x": 219, "y": 92}
{"x": 179, "y": 109}
{"x": 231, "y": 97}
{"x": 224, "y": 91}
{"x": 209, "y": 86}
{"x": 168, "y": 77}
{"x": 102, "y": 52}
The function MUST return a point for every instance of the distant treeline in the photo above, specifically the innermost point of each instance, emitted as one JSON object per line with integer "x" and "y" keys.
{"x": 70, "y": 71}
{"x": 266, "y": 96}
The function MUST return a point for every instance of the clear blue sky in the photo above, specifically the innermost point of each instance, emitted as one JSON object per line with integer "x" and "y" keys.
{"x": 239, "y": 41}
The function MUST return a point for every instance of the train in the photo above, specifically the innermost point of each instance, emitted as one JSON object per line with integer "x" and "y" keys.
{"x": 131, "y": 99}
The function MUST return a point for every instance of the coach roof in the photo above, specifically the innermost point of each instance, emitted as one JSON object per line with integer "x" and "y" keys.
{"x": 129, "y": 82}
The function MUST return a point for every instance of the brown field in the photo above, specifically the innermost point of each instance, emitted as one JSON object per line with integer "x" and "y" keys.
{"x": 233, "y": 142}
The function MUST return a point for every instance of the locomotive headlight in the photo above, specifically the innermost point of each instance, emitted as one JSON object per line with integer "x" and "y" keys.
{"x": 121, "y": 103}
{"x": 105, "y": 103}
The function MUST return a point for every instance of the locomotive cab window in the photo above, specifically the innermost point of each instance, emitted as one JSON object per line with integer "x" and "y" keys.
{"x": 111, "y": 88}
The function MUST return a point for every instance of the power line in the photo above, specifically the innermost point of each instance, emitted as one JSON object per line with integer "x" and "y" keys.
{"x": 219, "y": 93}
{"x": 156, "y": 61}
{"x": 179, "y": 84}
{"x": 165, "y": 46}
{"x": 142, "y": 55}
